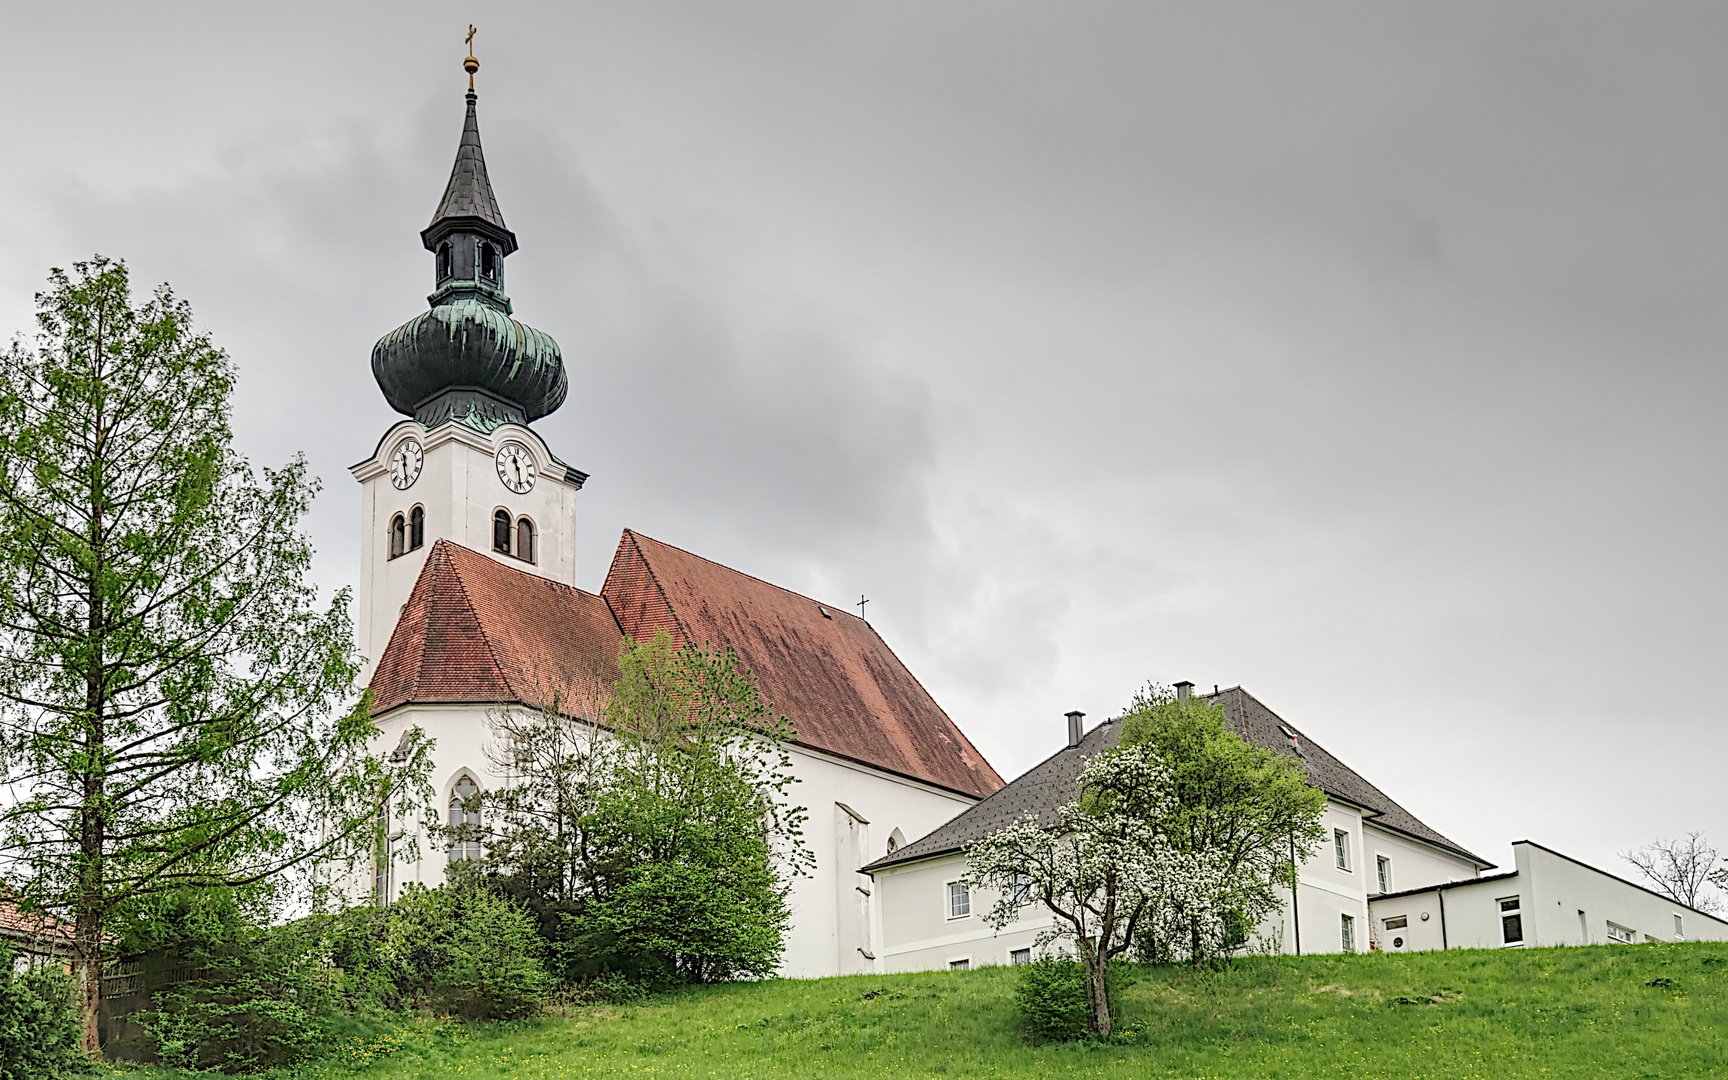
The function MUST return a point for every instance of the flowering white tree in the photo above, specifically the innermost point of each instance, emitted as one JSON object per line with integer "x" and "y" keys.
{"x": 1101, "y": 870}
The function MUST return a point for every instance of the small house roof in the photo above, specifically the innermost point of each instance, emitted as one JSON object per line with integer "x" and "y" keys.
{"x": 1054, "y": 782}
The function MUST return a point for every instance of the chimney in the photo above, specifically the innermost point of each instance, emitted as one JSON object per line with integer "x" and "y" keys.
{"x": 1075, "y": 727}
{"x": 1184, "y": 690}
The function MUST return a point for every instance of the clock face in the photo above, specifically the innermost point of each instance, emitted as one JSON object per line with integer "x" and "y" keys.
{"x": 405, "y": 464}
{"x": 516, "y": 467}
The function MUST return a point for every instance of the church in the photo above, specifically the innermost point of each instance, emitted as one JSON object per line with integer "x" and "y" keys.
{"x": 468, "y": 603}
{"x": 468, "y": 607}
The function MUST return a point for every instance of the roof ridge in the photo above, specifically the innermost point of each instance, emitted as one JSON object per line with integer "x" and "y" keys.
{"x": 426, "y": 570}
{"x": 827, "y": 605}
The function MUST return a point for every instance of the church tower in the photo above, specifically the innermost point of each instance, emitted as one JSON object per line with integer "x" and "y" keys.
{"x": 466, "y": 467}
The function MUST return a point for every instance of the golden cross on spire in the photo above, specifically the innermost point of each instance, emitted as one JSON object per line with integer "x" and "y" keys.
{"x": 469, "y": 64}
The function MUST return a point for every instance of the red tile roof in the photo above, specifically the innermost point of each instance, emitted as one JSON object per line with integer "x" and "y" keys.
{"x": 828, "y": 671}
{"x": 476, "y": 630}
{"x": 32, "y": 926}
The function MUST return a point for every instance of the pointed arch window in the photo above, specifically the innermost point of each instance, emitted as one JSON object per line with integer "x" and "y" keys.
{"x": 488, "y": 261}
{"x": 443, "y": 260}
{"x": 525, "y": 540}
{"x": 398, "y": 536}
{"x": 416, "y": 527}
{"x": 501, "y": 531}
{"x": 464, "y": 820}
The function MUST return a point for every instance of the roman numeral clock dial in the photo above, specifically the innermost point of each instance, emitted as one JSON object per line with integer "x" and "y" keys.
{"x": 405, "y": 464}
{"x": 516, "y": 467}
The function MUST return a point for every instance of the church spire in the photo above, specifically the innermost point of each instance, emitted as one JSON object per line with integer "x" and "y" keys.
{"x": 467, "y": 359}
{"x": 468, "y": 203}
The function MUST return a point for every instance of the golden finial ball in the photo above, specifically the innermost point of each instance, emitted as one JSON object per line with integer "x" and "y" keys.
{"x": 470, "y": 65}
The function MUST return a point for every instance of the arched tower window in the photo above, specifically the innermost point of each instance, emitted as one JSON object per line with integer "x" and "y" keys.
{"x": 501, "y": 531}
{"x": 443, "y": 260}
{"x": 488, "y": 261}
{"x": 416, "y": 527}
{"x": 465, "y": 839}
{"x": 398, "y": 536}
{"x": 525, "y": 540}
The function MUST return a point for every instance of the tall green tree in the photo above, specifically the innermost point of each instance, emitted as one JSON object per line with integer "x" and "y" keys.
{"x": 177, "y": 708}
{"x": 1252, "y": 812}
{"x": 658, "y": 828}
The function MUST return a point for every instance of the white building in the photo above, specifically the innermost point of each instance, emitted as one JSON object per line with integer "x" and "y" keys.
{"x": 468, "y": 604}
{"x": 1550, "y": 899}
{"x": 1382, "y": 880}
{"x": 928, "y": 919}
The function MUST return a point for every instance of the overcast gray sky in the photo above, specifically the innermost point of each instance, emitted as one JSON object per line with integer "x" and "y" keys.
{"x": 1368, "y": 356}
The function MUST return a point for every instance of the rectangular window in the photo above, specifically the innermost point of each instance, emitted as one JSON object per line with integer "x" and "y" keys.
{"x": 959, "y": 965}
{"x": 1583, "y": 927}
{"x": 1620, "y": 934}
{"x": 1398, "y": 922}
{"x": 1511, "y": 921}
{"x": 1383, "y": 872}
{"x": 959, "y": 900}
{"x": 1679, "y": 927}
{"x": 1022, "y": 890}
{"x": 1020, "y": 956}
{"x": 1347, "y": 933}
{"x": 1341, "y": 848}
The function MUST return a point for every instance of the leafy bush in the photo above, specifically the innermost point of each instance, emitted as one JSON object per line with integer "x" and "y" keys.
{"x": 1052, "y": 997}
{"x": 39, "y": 1028}
{"x": 1054, "y": 1001}
{"x": 464, "y": 950}
{"x": 248, "y": 997}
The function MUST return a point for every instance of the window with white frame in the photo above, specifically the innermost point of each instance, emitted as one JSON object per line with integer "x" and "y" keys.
{"x": 1622, "y": 935}
{"x": 1511, "y": 921}
{"x": 960, "y": 965}
{"x": 1017, "y": 957}
{"x": 465, "y": 820}
{"x": 1341, "y": 848}
{"x": 1383, "y": 872}
{"x": 1679, "y": 926}
{"x": 1347, "y": 933}
{"x": 959, "y": 900}
{"x": 1022, "y": 890}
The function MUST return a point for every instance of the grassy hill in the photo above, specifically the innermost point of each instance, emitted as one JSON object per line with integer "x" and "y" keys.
{"x": 1626, "y": 1011}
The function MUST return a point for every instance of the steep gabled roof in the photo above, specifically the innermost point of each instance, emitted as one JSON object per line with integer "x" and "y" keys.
{"x": 826, "y": 670}
{"x": 477, "y": 631}
{"x": 1055, "y": 782}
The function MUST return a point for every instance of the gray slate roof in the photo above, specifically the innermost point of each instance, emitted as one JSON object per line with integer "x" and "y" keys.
{"x": 468, "y": 195}
{"x": 1054, "y": 782}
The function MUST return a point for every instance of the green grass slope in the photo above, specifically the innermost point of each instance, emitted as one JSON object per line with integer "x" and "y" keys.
{"x": 1627, "y": 1011}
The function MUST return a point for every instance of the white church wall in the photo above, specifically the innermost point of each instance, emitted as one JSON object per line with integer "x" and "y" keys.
{"x": 829, "y": 926}
{"x": 832, "y": 909}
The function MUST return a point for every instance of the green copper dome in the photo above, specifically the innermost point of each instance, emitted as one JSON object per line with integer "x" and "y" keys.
{"x": 466, "y": 359}
{"x": 467, "y": 356}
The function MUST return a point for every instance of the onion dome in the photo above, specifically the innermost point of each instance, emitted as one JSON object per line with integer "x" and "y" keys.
{"x": 466, "y": 359}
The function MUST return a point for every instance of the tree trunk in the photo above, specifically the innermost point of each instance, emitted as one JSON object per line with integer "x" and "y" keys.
{"x": 1095, "y": 964}
{"x": 87, "y": 937}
